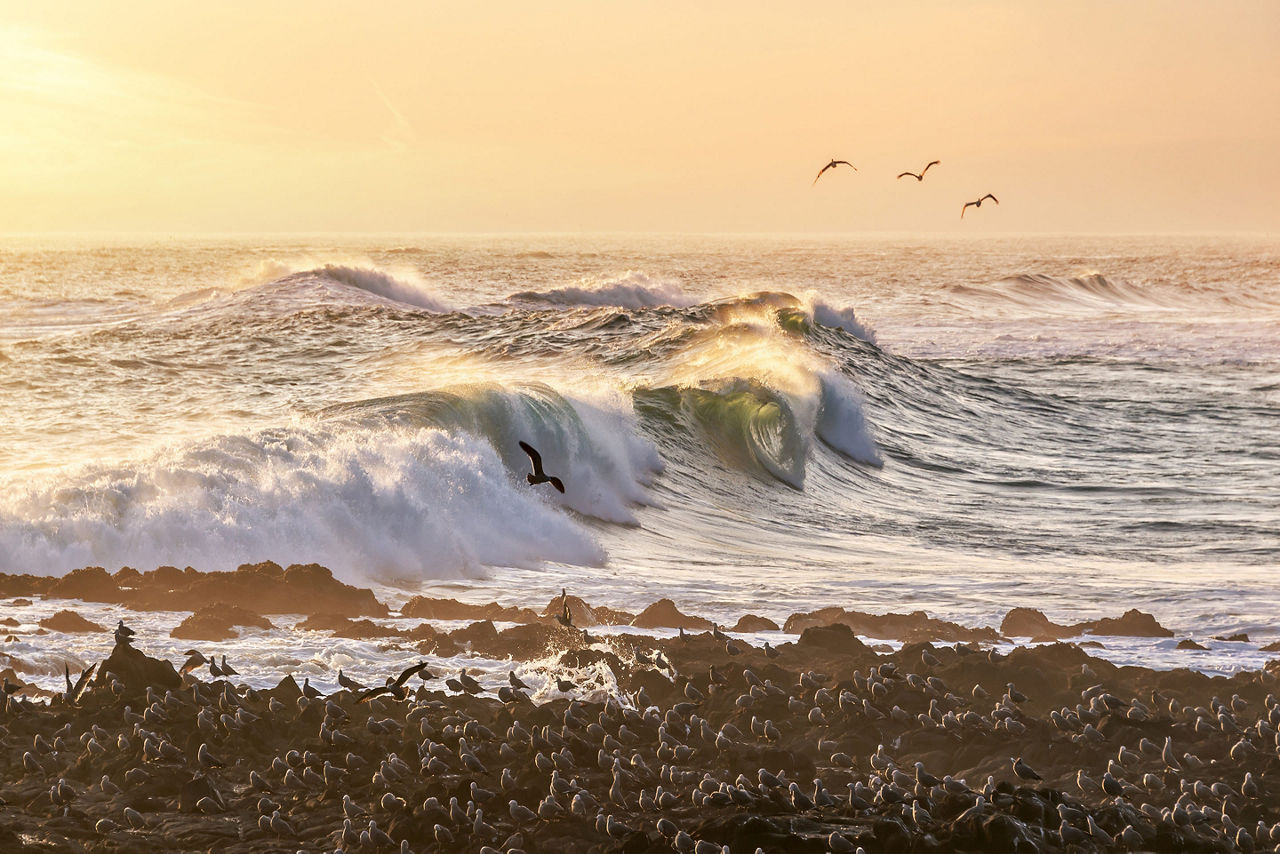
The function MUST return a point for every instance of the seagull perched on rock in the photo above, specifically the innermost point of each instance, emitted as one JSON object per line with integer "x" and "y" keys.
{"x": 1024, "y": 771}
{"x": 538, "y": 475}
{"x": 124, "y": 634}
{"x": 564, "y": 618}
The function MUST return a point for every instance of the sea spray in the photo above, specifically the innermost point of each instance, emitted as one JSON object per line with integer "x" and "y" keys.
{"x": 398, "y": 503}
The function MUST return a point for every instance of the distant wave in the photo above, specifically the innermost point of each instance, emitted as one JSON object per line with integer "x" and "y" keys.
{"x": 274, "y": 276}
{"x": 630, "y": 290}
{"x": 1092, "y": 292}
{"x": 385, "y": 285}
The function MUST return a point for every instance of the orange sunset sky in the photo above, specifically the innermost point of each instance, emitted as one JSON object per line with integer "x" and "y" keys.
{"x": 589, "y": 116}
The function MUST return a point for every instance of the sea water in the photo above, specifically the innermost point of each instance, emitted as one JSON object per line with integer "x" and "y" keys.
{"x": 1080, "y": 424}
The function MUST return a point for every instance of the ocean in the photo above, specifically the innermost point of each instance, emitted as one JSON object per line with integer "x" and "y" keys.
{"x": 745, "y": 424}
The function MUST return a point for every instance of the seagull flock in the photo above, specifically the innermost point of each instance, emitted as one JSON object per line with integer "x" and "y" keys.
{"x": 919, "y": 176}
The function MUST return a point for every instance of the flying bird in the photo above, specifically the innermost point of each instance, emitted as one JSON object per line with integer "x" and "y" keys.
{"x": 832, "y": 165}
{"x": 920, "y": 177}
{"x": 978, "y": 203}
{"x": 538, "y": 475}
{"x": 396, "y": 687}
{"x": 74, "y": 691}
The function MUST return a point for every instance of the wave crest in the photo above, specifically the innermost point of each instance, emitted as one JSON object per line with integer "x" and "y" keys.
{"x": 591, "y": 446}
{"x": 280, "y": 278}
{"x": 632, "y": 289}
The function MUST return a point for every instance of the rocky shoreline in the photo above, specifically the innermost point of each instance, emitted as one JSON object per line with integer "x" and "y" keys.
{"x": 824, "y": 743}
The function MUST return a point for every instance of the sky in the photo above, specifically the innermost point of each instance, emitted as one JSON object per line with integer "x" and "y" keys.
{"x": 560, "y": 116}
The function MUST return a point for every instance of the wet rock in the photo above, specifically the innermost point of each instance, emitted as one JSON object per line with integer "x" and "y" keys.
{"x": 324, "y": 623}
{"x": 136, "y": 671}
{"x": 191, "y": 793}
{"x": 287, "y": 690}
{"x": 429, "y": 608}
{"x": 421, "y": 632}
{"x": 441, "y": 645}
{"x": 752, "y": 623}
{"x": 215, "y": 623}
{"x": 523, "y": 641}
{"x": 1133, "y": 623}
{"x": 477, "y": 635}
{"x": 70, "y": 622}
{"x": 25, "y": 585}
{"x": 836, "y": 637}
{"x": 262, "y": 588}
{"x": 665, "y": 614}
{"x": 91, "y": 584}
{"x": 1188, "y": 643}
{"x": 580, "y": 613}
{"x": 1031, "y": 623}
{"x": 913, "y": 628}
{"x": 366, "y": 629}
{"x": 1274, "y": 646}
{"x": 126, "y": 576}
{"x": 1242, "y": 637}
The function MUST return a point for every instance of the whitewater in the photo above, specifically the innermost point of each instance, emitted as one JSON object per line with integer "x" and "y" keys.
{"x": 744, "y": 424}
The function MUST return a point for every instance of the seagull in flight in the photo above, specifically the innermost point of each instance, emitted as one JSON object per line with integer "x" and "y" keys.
{"x": 538, "y": 475}
{"x": 978, "y": 203}
{"x": 395, "y": 687}
{"x": 920, "y": 177}
{"x": 833, "y": 164}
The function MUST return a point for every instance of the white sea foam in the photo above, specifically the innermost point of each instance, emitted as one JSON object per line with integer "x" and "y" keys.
{"x": 837, "y": 318}
{"x": 399, "y": 504}
{"x": 842, "y": 424}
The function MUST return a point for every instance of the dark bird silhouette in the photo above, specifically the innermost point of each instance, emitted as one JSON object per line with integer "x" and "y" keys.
{"x": 1024, "y": 771}
{"x": 833, "y": 164}
{"x": 195, "y": 659}
{"x": 471, "y": 686}
{"x": 538, "y": 475}
{"x": 124, "y": 634}
{"x": 74, "y": 691}
{"x": 920, "y": 177}
{"x": 564, "y": 618}
{"x": 395, "y": 687}
{"x": 350, "y": 684}
{"x": 978, "y": 203}
{"x": 227, "y": 669}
